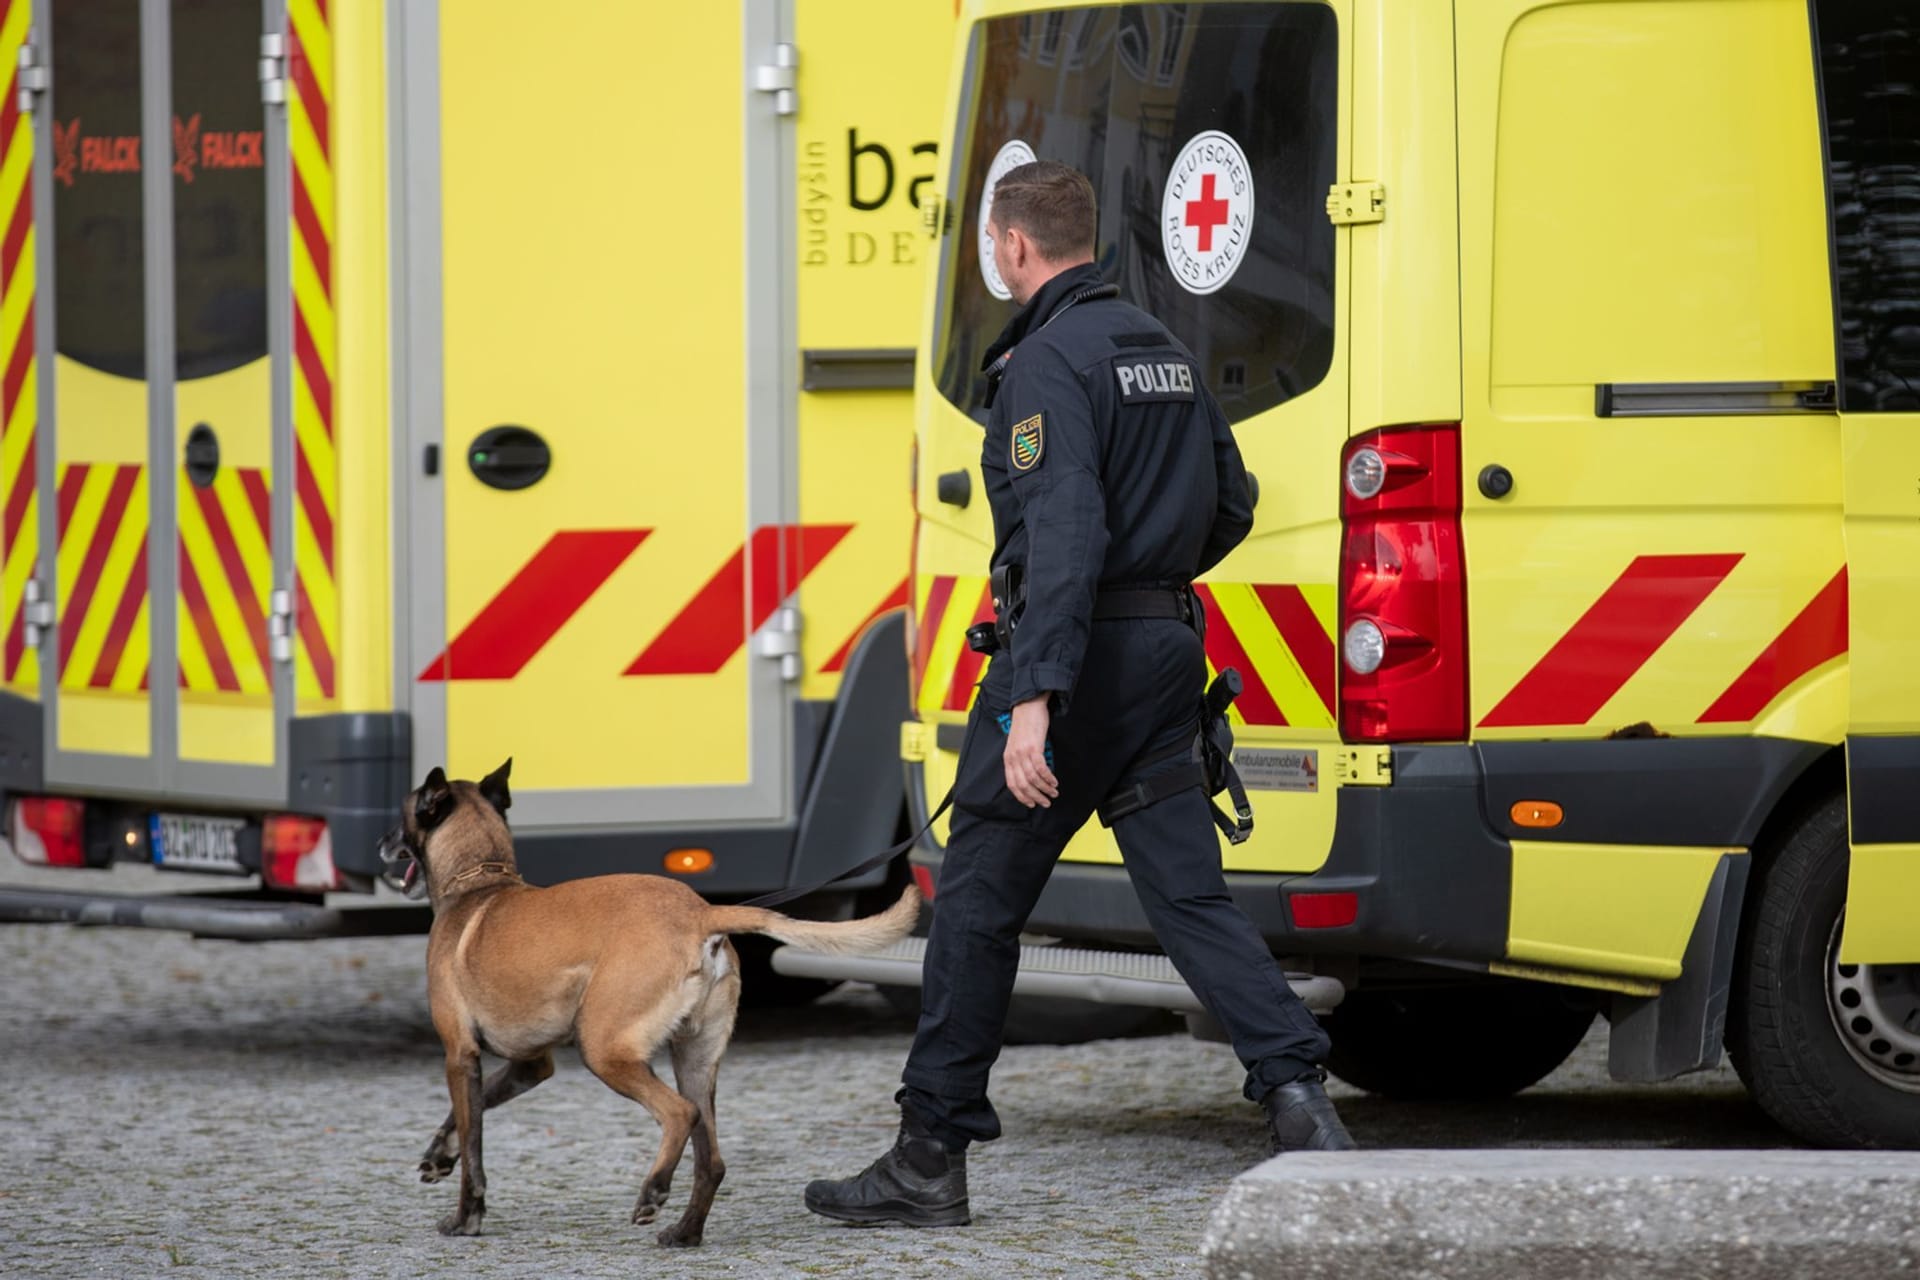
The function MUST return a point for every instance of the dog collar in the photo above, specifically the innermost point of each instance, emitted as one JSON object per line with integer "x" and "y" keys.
{"x": 483, "y": 868}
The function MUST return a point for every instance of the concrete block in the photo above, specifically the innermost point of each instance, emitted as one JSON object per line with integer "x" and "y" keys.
{"x": 1569, "y": 1215}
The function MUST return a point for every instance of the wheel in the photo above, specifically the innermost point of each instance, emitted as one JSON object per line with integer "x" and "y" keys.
{"x": 1054, "y": 1020}
{"x": 1831, "y": 1051}
{"x": 762, "y": 987}
{"x": 1511, "y": 1035}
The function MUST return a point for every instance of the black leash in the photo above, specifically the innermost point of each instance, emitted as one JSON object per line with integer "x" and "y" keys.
{"x": 877, "y": 860}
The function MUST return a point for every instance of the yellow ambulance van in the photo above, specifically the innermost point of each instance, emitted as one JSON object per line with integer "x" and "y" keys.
{"x": 390, "y": 385}
{"x": 1573, "y": 348}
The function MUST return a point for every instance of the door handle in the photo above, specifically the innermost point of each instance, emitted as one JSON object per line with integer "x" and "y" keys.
{"x": 509, "y": 457}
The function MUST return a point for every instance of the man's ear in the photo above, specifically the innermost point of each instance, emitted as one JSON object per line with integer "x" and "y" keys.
{"x": 433, "y": 801}
{"x": 1021, "y": 247}
{"x": 494, "y": 787}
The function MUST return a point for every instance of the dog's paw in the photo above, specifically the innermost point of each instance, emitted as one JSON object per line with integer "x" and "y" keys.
{"x": 462, "y": 1224}
{"x": 434, "y": 1166}
{"x": 648, "y": 1206}
{"x": 682, "y": 1236}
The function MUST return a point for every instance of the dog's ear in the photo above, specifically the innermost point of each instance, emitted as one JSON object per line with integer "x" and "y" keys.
{"x": 494, "y": 787}
{"x": 433, "y": 801}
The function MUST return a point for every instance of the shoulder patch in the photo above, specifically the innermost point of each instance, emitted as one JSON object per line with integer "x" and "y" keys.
{"x": 1029, "y": 442}
{"x": 1150, "y": 381}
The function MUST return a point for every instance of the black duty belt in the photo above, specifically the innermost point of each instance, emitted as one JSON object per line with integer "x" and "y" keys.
{"x": 1177, "y": 603}
{"x": 1144, "y": 602}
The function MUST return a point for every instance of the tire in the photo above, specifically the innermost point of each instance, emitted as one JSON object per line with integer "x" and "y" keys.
{"x": 1053, "y": 1020}
{"x": 1506, "y": 1036}
{"x": 1831, "y": 1052}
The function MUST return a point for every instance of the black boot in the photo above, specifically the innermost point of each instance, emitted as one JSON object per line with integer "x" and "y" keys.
{"x": 917, "y": 1184}
{"x": 1300, "y": 1117}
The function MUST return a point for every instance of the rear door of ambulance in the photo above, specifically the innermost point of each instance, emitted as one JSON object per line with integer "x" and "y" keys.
{"x": 149, "y": 451}
{"x": 600, "y": 385}
{"x": 1869, "y": 57}
{"x": 1648, "y": 356}
{"x": 1212, "y": 134}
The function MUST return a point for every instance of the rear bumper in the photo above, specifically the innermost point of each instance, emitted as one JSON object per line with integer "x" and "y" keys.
{"x": 1429, "y": 858}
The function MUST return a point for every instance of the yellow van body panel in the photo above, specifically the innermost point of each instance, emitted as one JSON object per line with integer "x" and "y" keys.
{"x": 867, "y": 157}
{"x": 1626, "y": 909}
{"x": 1883, "y": 889}
{"x": 1632, "y": 212}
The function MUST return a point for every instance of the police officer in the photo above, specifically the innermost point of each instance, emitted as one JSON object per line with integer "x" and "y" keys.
{"x": 1113, "y": 480}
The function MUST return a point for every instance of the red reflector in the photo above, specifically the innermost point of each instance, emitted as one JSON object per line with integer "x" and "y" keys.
{"x": 1324, "y": 910}
{"x": 48, "y": 831}
{"x": 923, "y": 876}
{"x": 297, "y": 853}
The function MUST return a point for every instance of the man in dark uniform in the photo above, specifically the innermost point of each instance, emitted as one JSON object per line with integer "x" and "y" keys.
{"x": 1114, "y": 480}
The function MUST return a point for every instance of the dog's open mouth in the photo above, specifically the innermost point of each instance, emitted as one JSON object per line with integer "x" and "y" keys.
{"x": 402, "y": 874}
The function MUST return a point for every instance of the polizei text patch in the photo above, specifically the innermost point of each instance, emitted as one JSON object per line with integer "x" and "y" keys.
{"x": 1153, "y": 381}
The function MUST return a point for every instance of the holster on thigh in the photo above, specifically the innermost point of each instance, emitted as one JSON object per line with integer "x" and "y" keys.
{"x": 1207, "y": 763}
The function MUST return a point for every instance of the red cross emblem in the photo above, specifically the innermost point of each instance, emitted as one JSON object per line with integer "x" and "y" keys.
{"x": 1206, "y": 213}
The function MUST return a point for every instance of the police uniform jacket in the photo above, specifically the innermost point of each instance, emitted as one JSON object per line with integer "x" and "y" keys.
{"x": 1108, "y": 465}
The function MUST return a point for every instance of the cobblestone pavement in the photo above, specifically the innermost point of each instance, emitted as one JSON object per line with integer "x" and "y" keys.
{"x": 206, "y": 1109}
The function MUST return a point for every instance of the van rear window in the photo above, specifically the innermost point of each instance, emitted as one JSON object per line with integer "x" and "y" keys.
{"x": 1208, "y": 131}
{"x": 1870, "y": 91}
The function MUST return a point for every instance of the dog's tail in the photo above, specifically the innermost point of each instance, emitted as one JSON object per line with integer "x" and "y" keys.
{"x": 869, "y": 933}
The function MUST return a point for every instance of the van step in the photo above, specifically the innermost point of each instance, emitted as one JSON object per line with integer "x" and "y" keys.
{"x": 1108, "y": 977}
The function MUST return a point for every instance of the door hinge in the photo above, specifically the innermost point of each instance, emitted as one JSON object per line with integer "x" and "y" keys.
{"x": 779, "y": 77}
{"x": 780, "y": 638}
{"x": 280, "y": 625}
{"x": 916, "y": 741}
{"x": 1350, "y": 203}
{"x": 273, "y": 69}
{"x": 33, "y": 75}
{"x": 36, "y": 613}
{"x": 1363, "y": 766}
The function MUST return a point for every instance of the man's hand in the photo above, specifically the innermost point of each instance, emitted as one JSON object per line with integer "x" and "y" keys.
{"x": 1028, "y": 777}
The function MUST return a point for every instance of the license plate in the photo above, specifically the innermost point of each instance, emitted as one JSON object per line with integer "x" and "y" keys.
{"x": 189, "y": 842}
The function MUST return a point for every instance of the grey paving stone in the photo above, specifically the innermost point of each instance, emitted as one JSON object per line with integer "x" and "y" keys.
{"x": 1514, "y": 1215}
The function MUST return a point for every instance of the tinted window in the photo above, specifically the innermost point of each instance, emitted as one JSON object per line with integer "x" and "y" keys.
{"x": 1124, "y": 93}
{"x": 98, "y": 217}
{"x": 219, "y": 187}
{"x": 1869, "y": 52}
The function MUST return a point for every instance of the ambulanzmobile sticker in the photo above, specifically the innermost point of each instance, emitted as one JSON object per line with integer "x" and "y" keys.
{"x": 1264, "y": 769}
{"x": 1011, "y": 156}
{"x": 1206, "y": 216}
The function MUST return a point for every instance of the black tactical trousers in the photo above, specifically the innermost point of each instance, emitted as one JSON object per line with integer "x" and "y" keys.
{"x": 1137, "y": 701}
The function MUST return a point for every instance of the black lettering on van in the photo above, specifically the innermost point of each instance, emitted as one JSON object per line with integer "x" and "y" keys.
{"x": 813, "y": 178}
{"x": 856, "y": 149}
{"x": 913, "y": 189}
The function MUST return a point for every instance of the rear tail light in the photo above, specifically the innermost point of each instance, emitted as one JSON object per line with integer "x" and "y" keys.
{"x": 48, "y": 831}
{"x": 1403, "y": 587}
{"x": 297, "y": 853}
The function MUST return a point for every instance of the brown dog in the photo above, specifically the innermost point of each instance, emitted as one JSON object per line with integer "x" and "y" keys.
{"x": 618, "y": 964}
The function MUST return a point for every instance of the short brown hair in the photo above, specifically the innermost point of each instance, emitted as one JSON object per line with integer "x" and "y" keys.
{"x": 1052, "y": 203}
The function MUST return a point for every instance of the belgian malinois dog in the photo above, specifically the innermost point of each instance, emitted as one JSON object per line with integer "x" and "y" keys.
{"x": 617, "y": 964}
